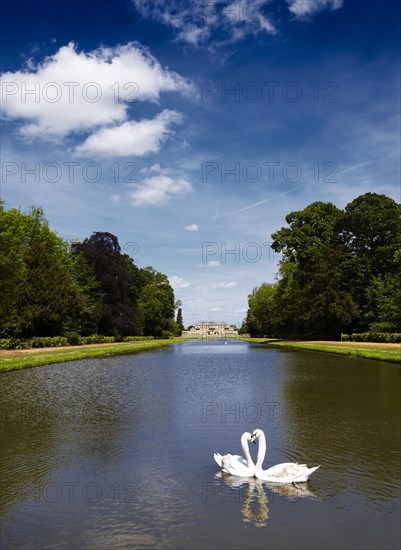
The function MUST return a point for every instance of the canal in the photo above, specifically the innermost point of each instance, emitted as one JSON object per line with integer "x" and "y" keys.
{"x": 117, "y": 452}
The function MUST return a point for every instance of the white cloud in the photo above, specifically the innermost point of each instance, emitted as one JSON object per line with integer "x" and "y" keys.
{"x": 80, "y": 91}
{"x": 158, "y": 189}
{"x": 227, "y": 285}
{"x": 302, "y": 8}
{"x": 224, "y": 21}
{"x": 198, "y": 21}
{"x": 210, "y": 263}
{"x": 178, "y": 282}
{"x": 131, "y": 138}
{"x": 214, "y": 309}
{"x": 192, "y": 227}
{"x": 216, "y": 286}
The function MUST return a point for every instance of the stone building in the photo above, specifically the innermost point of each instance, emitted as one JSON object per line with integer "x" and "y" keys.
{"x": 211, "y": 330}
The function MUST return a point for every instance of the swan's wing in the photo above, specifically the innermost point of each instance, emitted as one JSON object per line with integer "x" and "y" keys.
{"x": 229, "y": 460}
{"x": 287, "y": 473}
{"x": 306, "y": 473}
{"x": 219, "y": 459}
{"x": 236, "y": 465}
{"x": 285, "y": 469}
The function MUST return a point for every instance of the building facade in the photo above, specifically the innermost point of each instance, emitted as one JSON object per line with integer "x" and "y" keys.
{"x": 211, "y": 330}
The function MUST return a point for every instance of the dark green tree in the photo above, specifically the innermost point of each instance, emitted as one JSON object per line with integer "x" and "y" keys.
{"x": 103, "y": 254}
{"x": 156, "y": 304}
{"x": 44, "y": 294}
{"x": 340, "y": 272}
{"x": 179, "y": 321}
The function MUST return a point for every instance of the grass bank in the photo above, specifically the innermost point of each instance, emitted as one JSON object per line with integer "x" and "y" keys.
{"x": 21, "y": 359}
{"x": 367, "y": 350}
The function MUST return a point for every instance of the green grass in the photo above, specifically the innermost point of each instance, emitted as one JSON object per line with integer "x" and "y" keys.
{"x": 47, "y": 357}
{"x": 378, "y": 354}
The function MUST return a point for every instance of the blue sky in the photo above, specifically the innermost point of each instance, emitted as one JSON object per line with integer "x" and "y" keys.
{"x": 190, "y": 129}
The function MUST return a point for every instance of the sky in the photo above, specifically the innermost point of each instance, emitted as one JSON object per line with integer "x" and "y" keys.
{"x": 190, "y": 129}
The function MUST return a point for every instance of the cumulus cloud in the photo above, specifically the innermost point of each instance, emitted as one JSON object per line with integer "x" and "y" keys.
{"x": 178, "y": 282}
{"x": 74, "y": 91}
{"x": 192, "y": 227}
{"x": 157, "y": 190}
{"x": 130, "y": 138}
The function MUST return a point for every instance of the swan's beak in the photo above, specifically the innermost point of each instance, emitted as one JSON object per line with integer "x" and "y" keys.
{"x": 253, "y": 439}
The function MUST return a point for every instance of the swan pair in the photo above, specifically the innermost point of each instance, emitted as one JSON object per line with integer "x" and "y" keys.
{"x": 236, "y": 465}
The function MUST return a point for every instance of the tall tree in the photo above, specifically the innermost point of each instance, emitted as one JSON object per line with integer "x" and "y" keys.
{"x": 340, "y": 271}
{"x": 312, "y": 278}
{"x": 103, "y": 253}
{"x": 44, "y": 294}
{"x": 156, "y": 303}
{"x": 179, "y": 321}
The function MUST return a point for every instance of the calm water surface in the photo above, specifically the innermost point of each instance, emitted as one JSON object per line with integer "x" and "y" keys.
{"x": 118, "y": 452}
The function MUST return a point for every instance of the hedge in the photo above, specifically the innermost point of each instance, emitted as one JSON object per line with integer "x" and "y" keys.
{"x": 70, "y": 339}
{"x": 382, "y": 337}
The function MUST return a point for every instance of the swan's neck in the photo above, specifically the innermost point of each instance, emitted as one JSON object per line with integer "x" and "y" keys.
{"x": 261, "y": 451}
{"x": 245, "y": 450}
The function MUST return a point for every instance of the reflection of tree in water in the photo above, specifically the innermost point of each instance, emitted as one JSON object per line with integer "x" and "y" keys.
{"x": 251, "y": 515}
{"x": 255, "y": 509}
{"x": 343, "y": 414}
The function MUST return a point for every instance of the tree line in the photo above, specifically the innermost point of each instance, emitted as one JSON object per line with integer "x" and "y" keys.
{"x": 340, "y": 272}
{"x": 50, "y": 287}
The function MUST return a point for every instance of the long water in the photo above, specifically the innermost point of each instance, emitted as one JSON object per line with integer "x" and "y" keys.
{"x": 118, "y": 452}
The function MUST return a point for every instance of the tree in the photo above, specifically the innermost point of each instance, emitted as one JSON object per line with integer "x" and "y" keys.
{"x": 260, "y": 319}
{"x": 179, "y": 321}
{"x": 383, "y": 308}
{"x": 156, "y": 304}
{"x": 312, "y": 291}
{"x": 103, "y": 254}
{"x": 44, "y": 293}
{"x": 340, "y": 272}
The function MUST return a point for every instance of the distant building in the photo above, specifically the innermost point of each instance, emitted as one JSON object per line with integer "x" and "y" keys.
{"x": 211, "y": 330}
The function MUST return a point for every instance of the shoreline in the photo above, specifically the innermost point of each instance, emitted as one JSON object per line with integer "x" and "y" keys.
{"x": 367, "y": 350}
{"x": 11, "y": 360}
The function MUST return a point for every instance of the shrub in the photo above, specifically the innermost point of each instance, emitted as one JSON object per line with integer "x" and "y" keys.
{"x": 381, "y": 337}
{"x": 137, "y": 338}
{"x": 73, "y": 338}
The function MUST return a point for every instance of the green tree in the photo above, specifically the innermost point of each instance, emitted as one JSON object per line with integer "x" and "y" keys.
{"x": 156, "y": 304}
{"x": 312, "y": 291}
{"x": 340, "y": 271}
{"x": 261, "y": 317}
{"x": 44, "y": 294}
{"x": 179, "y": 322}
{"x": 383, "y": 308}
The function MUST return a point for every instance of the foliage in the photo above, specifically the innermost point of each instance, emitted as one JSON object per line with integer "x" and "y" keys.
{"x": 156, "y": 304}
{"x": 50, "y": 288}
{"x": 179, "y": 322}
{"x": 384, "y": 337}
{"x": 340, "y": 272}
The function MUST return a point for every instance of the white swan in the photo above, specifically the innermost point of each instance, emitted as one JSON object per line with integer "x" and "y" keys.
{"x": 237, "y": 465}
{"x": 287, "y": 472}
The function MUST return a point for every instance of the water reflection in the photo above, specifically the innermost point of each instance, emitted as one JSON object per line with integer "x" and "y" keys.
{"x": 256, "y": 494}
{"x": 117, "y": 452}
